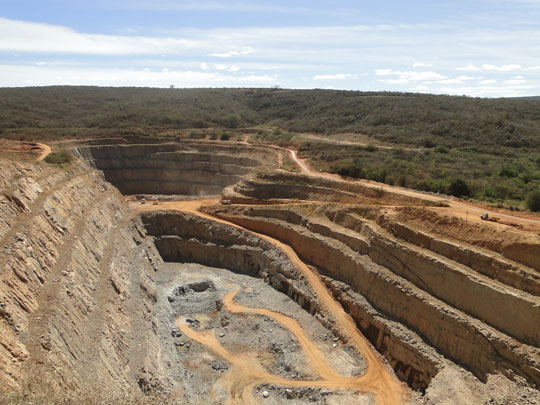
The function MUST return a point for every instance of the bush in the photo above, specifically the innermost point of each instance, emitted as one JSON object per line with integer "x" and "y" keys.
{"x": 459, "y": 188}
{"x": 225, "y": 136}
{"x": 371, "y": 147}
{"x": 233, "y": 121}
{"x": 59, "y": 158}
{"x": 428, "y": 143}
{"x": 196, "y": 135}
{"x": 441, "y": 149}
{"x": 533, "y": 201}
{"x": 507, "y": 171}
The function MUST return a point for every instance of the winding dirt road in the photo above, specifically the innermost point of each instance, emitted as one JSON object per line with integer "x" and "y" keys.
{"x": 377, "y": 380}
{"x": 247, "y": 372}
{"x": 45, "y": 151}
{"x": 456, "y": 208}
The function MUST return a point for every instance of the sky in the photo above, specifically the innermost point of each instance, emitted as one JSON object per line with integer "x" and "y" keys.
{"x": 477, "y": 48}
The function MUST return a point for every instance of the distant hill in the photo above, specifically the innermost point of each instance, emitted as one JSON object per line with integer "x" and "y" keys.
{"x": 409, "y": 119}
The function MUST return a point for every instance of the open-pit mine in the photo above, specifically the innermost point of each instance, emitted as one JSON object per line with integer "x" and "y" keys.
{"x": 199, "y": 271}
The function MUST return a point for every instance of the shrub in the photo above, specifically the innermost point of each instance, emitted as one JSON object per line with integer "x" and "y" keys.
{"x": 225, "y": 136}
{"x": 441, "y": 149}
{"x": 507, "y": 171}
{"x": 60, "y": 158}
{"x": 533, "y": 201}
{"x": 196, "y": 135}
{"x": 371, "y": 147}
{"x": 428, "y": 143}
{"x": 401, "y": 181}
{"x": 459, "y": 188}
{"x": 233, "y": 120}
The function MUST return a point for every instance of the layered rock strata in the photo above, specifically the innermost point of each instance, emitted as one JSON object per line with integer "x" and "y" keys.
{"x": 167, "y": 168}
{"x": 77, "y": 291}
{"x": 186, "y": 238}
{"x": 449, "y": 306}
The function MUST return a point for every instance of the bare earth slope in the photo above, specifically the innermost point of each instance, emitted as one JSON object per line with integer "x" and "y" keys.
{"x": 293, "y": 287}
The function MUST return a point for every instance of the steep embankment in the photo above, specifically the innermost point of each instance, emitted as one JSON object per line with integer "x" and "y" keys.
{"x": 198, "y": 238}
{"x": 76, "y": 277}
{"x": 187, "y": 168}
{"x": 448, "y": 305}
{"x": 280, "y": 186}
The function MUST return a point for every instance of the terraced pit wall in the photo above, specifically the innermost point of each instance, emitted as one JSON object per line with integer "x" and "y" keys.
{"x": 183, "y": 237}
{"x": 77, "y": 290}
{"x": 390, "y": 275}
{"x": 167, "y": 168}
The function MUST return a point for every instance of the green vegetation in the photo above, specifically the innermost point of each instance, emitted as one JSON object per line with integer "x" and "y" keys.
{"x": 462, "y": 172}
{"x": 487, "y": 149}
{"x": 59, "y": 158}
{"x": 533, "y": 201}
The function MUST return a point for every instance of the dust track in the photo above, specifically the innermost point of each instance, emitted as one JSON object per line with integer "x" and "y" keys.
{"x": 378, "y": 380}
{"x": 247, "y": 372}
{"x": 45, "y": 151}
{"x": 456, "y": 208}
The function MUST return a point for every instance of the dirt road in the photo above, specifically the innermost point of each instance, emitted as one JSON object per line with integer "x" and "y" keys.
{"x": 385, "y": 387}
{"x": 45, "y": 150}
{"x": 246, "y": 371}
{"x": 456, "y": 208}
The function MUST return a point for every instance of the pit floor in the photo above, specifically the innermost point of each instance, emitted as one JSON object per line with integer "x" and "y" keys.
{"x": 202, "y": 376}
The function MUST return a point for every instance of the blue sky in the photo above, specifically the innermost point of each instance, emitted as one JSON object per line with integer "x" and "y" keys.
{"x": 478, "y": 48}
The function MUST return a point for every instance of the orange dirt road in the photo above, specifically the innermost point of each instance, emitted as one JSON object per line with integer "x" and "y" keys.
{"x": 247, "y": 372}
{"x": 457, "y": 208}
{"x": 385, "y": 387}
{"x": 45, "y": 150}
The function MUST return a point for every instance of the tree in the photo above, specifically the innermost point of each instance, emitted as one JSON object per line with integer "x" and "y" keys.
{"x": 533, "y": 201}
{"x": 459, "y": 188}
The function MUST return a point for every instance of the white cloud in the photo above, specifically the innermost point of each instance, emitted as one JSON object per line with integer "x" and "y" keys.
{"x": 395, "y": 81}
{"x": 228, "y": 68}
{"x": 17, "y": 75}
{"x": 230, "y": 54}
{"x": 420, "y": 64}
{"x": 490, "y": 81}
{"x": 410, "y": 76}
{"x": 339, "y": 76}
{"x": 384, "y": 72}
{"x": 469, "y": 68}
{"x": 204, "y": 66}
{"x": 502, "y": 68}
{"x": 514, "y": 81}
{"x": 449, "y": 81}
{"x": 24, "y": 36}
{"x": 464, "y": 78}
{"x": 489, "y": 91}
{"x": 419, "y": 89}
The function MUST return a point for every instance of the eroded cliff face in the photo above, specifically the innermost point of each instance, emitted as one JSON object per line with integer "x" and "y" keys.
{"x": 77, "y": 284}
{"x": 181, "y": 168}
{"x": 468, "y": 318}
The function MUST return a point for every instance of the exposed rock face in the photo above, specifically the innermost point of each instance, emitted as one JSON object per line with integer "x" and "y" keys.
{"x": 78, "y": 297}
{"x": 186, "y": 238}
{"x": 276, "y": 186}
{"x": 76, "y": 277}
{"x": 183, "y": 237}
{"x": 185, "y": 168}
{"x": 413, "y": 286}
